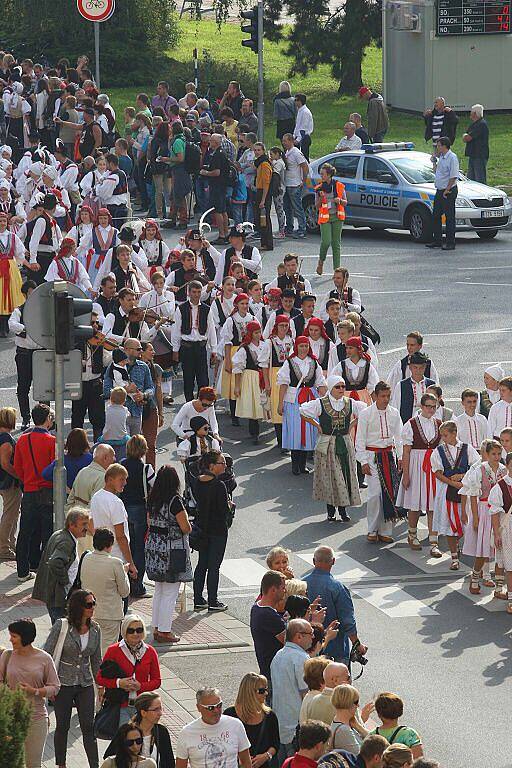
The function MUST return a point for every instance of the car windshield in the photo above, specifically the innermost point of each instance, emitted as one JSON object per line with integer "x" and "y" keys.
{"x": 415, "y": 170}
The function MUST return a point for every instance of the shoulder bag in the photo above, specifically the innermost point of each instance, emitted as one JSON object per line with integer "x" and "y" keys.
{"x": 77, "y": 584}
{"x": 45, "y": 494}
{"x": 57, "y": 651}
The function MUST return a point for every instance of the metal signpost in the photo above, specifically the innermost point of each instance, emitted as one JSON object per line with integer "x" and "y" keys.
{"x": 96, "y": 11}
{"x": 261, "y": 103}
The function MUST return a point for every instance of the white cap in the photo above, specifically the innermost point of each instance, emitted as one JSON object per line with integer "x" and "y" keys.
{"x": 51, "y": 172}
{"x": 496, "y": 371}
{"x": 333, "y": 380}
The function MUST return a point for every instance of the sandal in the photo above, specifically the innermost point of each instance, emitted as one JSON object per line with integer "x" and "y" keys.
{"x": 474, "y": 583}
{"x": 413, "y": 542}
{"x": 488, "y": 582}
{"x": 373, "y": 537}
{"x": 320, "y": 267}
{"x": 435, "y": 551}
{"x": 499, "y": 595}
{"x": 386, "y": 539}
{"x": 509, "y": 608}
{"x": 455, "y": 564}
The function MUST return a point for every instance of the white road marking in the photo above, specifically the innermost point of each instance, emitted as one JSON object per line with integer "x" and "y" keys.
{"x": 467, "y": 282}
{"x": 391, "y": 351}
{"x": 496, "y": 362}
{"x": 416, "y": 290}
{"x": 477, "y": 269}
{"x": 243, "y": 571}
{"x": 469, "y": 333}
{"x": 8, "y": 389}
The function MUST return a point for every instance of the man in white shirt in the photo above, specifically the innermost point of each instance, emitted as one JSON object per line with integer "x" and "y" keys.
{"x": 500, "y": 415}
{"x": 213, "y": 739}
{"x": 112, "y": 191}
{"x": 297, "y": 171}
{"x": 350, "y": 140}
{"x": 304, "y": 125}
{"x": 471, "y": 426}
{"x": 108, "y": 511}
{"x": 402, "y": 370}
{"x": 379, "y": 431}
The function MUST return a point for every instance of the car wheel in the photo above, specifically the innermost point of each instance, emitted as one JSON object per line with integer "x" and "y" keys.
{"x": 311, "y": 212}
{"x": 487, "y": 234}
{"x": 419, "y": 223}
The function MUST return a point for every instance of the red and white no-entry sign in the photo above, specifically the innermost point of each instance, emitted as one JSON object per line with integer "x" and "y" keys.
{"x": 96, "y": 10}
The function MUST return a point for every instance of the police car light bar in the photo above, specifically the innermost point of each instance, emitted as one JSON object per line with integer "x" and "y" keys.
{"x": 388, "y": 147}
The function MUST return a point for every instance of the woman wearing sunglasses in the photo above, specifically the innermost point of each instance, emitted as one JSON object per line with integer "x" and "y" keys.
{"x": 128, "y": 754}
{"x": 259, "y": 720}
{"x": 77, "y": 662}
{"x": 156, "y": 738}
{"x": 136, "y": 660}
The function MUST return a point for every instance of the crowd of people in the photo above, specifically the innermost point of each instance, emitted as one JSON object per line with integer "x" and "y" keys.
{"x": 277, "y": 354}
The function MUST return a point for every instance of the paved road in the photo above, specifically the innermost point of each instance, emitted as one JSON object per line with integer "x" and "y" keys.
{"x": 447, "y": 654}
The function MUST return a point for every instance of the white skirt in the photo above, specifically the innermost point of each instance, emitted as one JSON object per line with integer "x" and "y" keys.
{"x": 420, "y": 494}
{"x": 504, "y": 555}
{"x": 441, "y": 520}
{"x": 479, "y": 543}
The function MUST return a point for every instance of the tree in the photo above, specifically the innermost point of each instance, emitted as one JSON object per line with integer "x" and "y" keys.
{"x": 15, "y": 712}
{"x": 133, "y": 41}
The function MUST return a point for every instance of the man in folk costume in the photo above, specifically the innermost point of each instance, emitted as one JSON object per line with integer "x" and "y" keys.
{"x": 45, "y": 240}
{"x": 12, "y": 256}
{"x": 126, "y": 274}
{"x": 420, "y": 436}
{"x": 333, "y": 307}
{"x": 402, "y": 369}
{"x": 68, "y": 176}
{"x": 349, "y": 298}
{"x": 49, "y": 185}
{"x": 117, "y": 325}
{"x": 491, "y": 394}
{"x": 307, "y": 311}
{"x": 292, "y": 280}
{"x": 471, "y": 426}
{"x": 179, "y": 279}
{"x": 66, "y": 266}
{"x": 163, "y": 304}
{"x": 94, "y": 360}
{"x": 357, "y": 371}
{"x": 408, "y": 392}
{"x": 106, "y": 302}
{"x": 378, "y": 447}
{"x": 335, "y": 478}
{"x": 274, "y": 352}
{"x": 207, "y": 257}
{"x": 238, "y": 250}
{"x": 136, "y": 257}
{"x": 249, "y": 382}
{"x": 287, "y": 307}
{"x": 102, "y": 238}
{"x": 500, "y": 415}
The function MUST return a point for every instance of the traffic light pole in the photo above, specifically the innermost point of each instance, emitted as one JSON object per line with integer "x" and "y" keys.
{"x": 59, "y": 473}
{"x": 261, "y": 103}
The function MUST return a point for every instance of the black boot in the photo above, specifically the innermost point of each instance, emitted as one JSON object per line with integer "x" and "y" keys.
{"x": 302, "y": 463}
{"x": 343, "y": 515}
{"x": 235, "y": 421}
{"x": 331, "y": 513}
{"x": 360, "y": 476}
{"x": 296, "y": 462}
{"x": 254, "y": 430}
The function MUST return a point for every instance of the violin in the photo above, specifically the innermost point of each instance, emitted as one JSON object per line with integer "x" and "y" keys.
{"x": 140, "y": 315}
{"x": 100, "y": 340}
{"x": 194, "y": 274}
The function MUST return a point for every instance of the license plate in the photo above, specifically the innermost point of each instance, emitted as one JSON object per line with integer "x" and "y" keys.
{"x": 492, "y": 214}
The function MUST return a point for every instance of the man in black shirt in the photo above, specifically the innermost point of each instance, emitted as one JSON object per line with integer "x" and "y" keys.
{"x": 361, "y": 131}
{"x": 267, "y": 625}
{"x": 477, "y": 145}
{"x": 216, "y": 170}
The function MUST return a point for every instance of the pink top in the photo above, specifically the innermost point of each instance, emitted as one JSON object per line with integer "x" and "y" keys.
{"x": 35, "y": 669}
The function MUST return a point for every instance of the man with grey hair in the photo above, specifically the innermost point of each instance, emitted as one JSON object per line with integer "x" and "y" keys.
{"x": 213, "y": 739}
{"x": 440, "y": 120}
{"x": 216, "y": 170}
{"x": 92, "y": 478}
{"x": 336, "y": 598}
{"x": 288, "y": 685}
{"x": 476, "y": 140}
{"x": 350, "y": 140}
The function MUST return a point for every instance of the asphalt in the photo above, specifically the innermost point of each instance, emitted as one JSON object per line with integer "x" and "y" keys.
{"x": 448, "y": 657}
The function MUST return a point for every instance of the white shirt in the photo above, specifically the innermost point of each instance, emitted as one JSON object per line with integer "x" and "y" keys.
{"x": 294, "y": 160}
{"x": 379, "y": 429}
{"x": 354, "y": 370}
{"x": 82, "y": 233}
{"x": 177, "y": 336}
{"x": 82, "y": 281}
{"x": 418, "y": 389}
{"x": 107, "y": 510}
{"x": 19, "y": 248}
{"x": 68, "y": 177}
{"x": 184, "y": 448}
{"x": 240, "y": 357}
{"x": 37, "y": 234}
{"x": 90, "y": 180}
{"x": 452, "y": 450}
{"x": 227, "y": 307}
{"x": 164, "y": 305}
{"x": 212, "y": 745}
{"x": 181, "y": 423}
{"x": 284, "y": 349}
{"x": 233, "y": 322}
{"x": 395, "y": 375}
{"x": 105, "y": 191}
{"x": 272, "y": 321}
{"x": 303, "y": 122}
{"x": 500, "y": 416}
{"x": 428, "y": 425}
{"x": 146, "y": 334}
{"x": 471, "y": 429}
{"x": 353, "y": 306}
{"x": 138, "y": 261}
{"x": 254, "y": 263}
{"x": 152, "y": 249}
{"x": 273, "y": 284}
{"x": 318, "y": 347}
{"x": 496, "y": 498}
{"x": 345, "y": 143}
{"x": 16, "y": 326}
{"x": 283, "y": 376}
{"x": 313, "y": 408}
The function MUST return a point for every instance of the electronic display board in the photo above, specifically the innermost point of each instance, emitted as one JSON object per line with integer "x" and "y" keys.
{"x": 473, "y": 17}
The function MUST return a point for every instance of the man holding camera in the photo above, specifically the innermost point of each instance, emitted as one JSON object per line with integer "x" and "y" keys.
{"x": 336, "y": 598}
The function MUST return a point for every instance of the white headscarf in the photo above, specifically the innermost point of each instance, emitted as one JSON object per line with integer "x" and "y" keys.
{"x": 332, "y": 381}
{"x": 496, "y": 371}
{"x": 50, "y": 172}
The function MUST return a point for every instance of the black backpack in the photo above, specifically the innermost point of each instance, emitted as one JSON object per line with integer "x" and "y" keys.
{"x": 232, "y": 174}
{"x": 275, "y": 184}
{"x": 192, "y": 160}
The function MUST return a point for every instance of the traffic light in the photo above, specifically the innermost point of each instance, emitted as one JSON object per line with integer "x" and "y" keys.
{"x": 251, "y": 28}
{"x": 69, "y": 314}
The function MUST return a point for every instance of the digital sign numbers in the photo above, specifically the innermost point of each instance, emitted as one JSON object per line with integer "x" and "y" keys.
{"x": 473, "y": 17}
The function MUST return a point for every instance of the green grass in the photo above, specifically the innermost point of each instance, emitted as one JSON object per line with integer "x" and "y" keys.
{"x": 330, "y": 109}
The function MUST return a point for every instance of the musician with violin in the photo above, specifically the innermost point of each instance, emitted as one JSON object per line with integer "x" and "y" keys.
{"x": 141, "y": 387}
{"x": 128, "y": 320}
{"x": 179, "y": 279}
{"x": 126, "y": 273}
{"x": 238, "y": 250}
{"x": 107, "y": 298}
{"x": 292, "y": 279}
{"x": 161, "y": 305}
{"x": 207, "y": 257}
{"x": 349, "y": 298}
{"x": 91, "y": 402}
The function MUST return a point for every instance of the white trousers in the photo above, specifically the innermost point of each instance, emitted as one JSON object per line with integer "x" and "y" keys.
{"x": 374, "y": 514}
{"x": 164, "y": 603}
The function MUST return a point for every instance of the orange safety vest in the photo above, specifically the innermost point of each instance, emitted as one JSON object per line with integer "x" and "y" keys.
{"x": 323, "y": 211}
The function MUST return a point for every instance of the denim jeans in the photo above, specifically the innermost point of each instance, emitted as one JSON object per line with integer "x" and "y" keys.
{"x": 238, "y": 212}
{"x": 209, "y": 562}
{"x": 202, "y": 196}
{"x": 137, "y": 526}
{"x": 36, "y": 527}
{"x": 293, "y": 208}
{"x": 477, "y": 169}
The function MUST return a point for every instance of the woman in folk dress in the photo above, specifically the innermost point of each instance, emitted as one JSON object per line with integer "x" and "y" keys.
{"x": 157, "y": 252}
{"x": 335, "y": 478}
{"x": 359, "y": 374}
{"x": 500, "y": 509}
{"x": 319, "y": 341}
{"x": 274, "y": 352}
{"x": 249, "y": 379}
{"x": 232, "y": 334}
{"x": 81, "y": 233}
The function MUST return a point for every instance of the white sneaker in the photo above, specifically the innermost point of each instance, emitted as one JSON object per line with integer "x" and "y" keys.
{"x": 29, "y": 576}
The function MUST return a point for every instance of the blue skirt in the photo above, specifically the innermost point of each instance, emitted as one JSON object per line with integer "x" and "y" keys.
{"x": 292, "y": 424}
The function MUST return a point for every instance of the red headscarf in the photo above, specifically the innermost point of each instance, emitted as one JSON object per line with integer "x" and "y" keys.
{"x": 279, "y": 319}
{"x": 316, "y": 321}
{"x": 90, "y": 212}
{"x": 66, "y": 247}
{"x": 104, "y": 212}
{"x": 356, "y": 341}
{"x": 151, "y": 223}
{"x": 238, "y": 298}
{"x": 302, "y": 340}
{"x": 251, "y": 327}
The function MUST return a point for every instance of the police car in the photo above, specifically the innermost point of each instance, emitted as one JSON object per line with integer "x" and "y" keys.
{"x": 392, "y": 186}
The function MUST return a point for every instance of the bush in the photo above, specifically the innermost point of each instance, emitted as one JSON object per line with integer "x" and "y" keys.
{"x": 15, "y": 713}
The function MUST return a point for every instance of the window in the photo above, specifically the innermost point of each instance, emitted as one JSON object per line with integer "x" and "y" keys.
{"x": 374, "y": 168}
{"x": 346, "y": 165}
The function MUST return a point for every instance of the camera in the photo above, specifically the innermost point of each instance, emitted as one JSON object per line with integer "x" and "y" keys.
{"x": 356, "y": 655}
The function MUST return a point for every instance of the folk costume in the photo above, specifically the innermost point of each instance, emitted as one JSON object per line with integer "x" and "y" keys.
{"x": 335, "y": 474}
{"x": 302, "y": 378}
{"x": 233, "y": 331}
{"x": 478, "y": 482}
{"x": 249, "y": 256}
{"x": 82, "y": 233}
{"x": 471, "y": 429}
{"x": 12, "y": 255}
{"x": 164, "y": 305}
{"x": 246, "y": 362}
{"x": 23, "y": 359}
{"x": 193, "y": 336}
{"x": 321, "y": 347}
{"x": 379, "y": 444}
{"x": 422, "y": 435}
{"x": 274, "y": 352}
{"x": 488, "y": 397}
{"x": 43, "y": 243}
{"x": 156, "y": 251}
{"x": 500, "y": 417}
{"x": 407, "y": 396}
{"x": 361, "y": 377}
{"x": 500, "y": 503}
{"x": 67, "y": 267}
{"x": 97, "y": 244}
{"x": 401, "y": 371}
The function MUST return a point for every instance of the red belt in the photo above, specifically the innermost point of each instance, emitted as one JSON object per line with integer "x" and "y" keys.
{"x": 454, "y": 518}
{"x": 304, "y": 396}
{"x": 379, "y": 450}
{"x": 431, "y": 478}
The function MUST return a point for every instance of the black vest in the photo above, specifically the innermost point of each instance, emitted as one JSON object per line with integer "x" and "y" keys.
{"x": 299, "y": 322}
{"x": 87, "y": 141}
{"x": 222, "y": 314}
{"x": 294, "y": 379}
{"x": 208, "y": 264}
{"x": 250, "y": 364}
{"x": 246, "y": 254}
{"x": 359, "y": 385}
{"x": 324, "y": 362}
{"x": 108, "y": 305}
{"x": 285, "y": 283}
{"x": 181, "y": 283}
{"x": 120, "y": 323}
{"x": 407, "y": 398}
{"x": 95, "y": 353}
{"x": 404, "y": 362}
{"x": 186, "y": 318}
{"x": 330, "y": 330}
{"x": 341, "y": 351}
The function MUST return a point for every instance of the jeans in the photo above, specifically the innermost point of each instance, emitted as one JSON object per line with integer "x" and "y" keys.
{"x": 293, "y": 207}
{"x": 238, "y": 212}
{"x": 134, "y": 424}
{"x": 209, "y": 562}
{"x": 330, "y": 234}
{"x": 36, "y": 527}
{"x": 83, "y": 699}
{"x": 137, "y": 526}
{"x": 477, "y": 169}
{"x": 444, "y": 205}
{"x": 202, "y": 196}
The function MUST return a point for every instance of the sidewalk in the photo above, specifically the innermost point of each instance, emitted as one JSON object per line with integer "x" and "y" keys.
{"x": 201, "y": 633}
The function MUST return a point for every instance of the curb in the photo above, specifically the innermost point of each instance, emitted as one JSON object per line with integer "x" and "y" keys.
{"x": 174, "y": 647}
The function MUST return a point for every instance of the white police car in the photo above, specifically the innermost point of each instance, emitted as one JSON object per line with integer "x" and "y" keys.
{"x": 392, "y": 186}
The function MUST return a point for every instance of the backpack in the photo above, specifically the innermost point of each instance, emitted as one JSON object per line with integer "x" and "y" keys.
{"x": 192, "y": 161}
{"x": 275, "y": 184}
{"x": 395, "y": 733}
{"x": 232, "y": 174}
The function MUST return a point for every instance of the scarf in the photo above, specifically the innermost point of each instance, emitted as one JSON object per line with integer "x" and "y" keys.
{"x": 259, "y": 160}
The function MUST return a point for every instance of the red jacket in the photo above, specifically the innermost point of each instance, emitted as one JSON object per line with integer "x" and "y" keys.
{"x": 43, "y": 448}
{"x": 147, "y": 671}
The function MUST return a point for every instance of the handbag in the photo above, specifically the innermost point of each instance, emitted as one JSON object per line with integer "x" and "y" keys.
{"x": 178, "y": 560}
{"x": 198, "y": 538}
{"x": 57, "y": 651}
{"x": 106, "y": 721}
{"x": 45, "y": 494}
{"x": 77, "y": 583}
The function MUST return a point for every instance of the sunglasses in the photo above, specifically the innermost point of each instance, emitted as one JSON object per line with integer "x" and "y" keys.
{"x": 212, "y": 707}
{"x": 133, "y": 630}
{"x": 261, "y": 690}
{"x": 90, "y": 605}
{"x": 129, "y": 742}
{"x": 206, "y": 405}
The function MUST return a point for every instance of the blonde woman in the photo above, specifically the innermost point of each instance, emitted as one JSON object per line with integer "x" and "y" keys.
{"x": 259, "y": 720}
{"x": 346, "y": 732}
{"x": 397, "y": 756}
{"x": 10, "y": 490}
{"x": 278, "y": 560}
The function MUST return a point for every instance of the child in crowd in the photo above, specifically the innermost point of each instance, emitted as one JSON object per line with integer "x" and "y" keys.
{"x": 115, "y": 432}
{"x": 500, "y": 508}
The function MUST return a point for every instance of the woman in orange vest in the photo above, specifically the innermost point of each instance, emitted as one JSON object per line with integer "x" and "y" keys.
{"x": 330, "y": 201}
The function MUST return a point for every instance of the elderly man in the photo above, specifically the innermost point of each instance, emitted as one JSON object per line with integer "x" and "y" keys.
{"x": 213, "y": 738}
{"x": 59, "y": 564}
{"x": 216, "y": 170}
{"x": 338, "y": 601}
{"x": 350, "y": 140}
{"x": 288, "y": 685}
{"x": 476, "y": 140}
{"x": 320, "y": 707}
{"x": 440, "y": 120}
{"x": 89, "y": 480}
{"x": 446, "y": 166}
{"x": 248, "y": 120}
